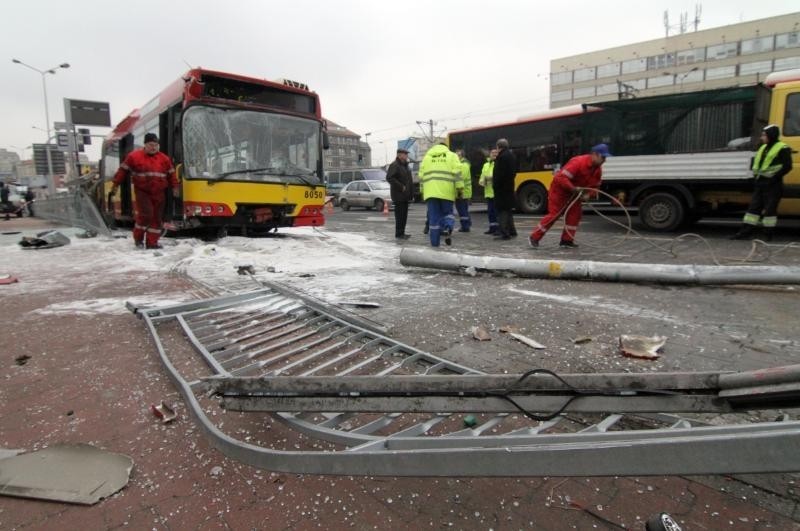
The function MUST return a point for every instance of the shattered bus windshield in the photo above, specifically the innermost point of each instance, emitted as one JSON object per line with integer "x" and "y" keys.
{"x": 250, "y": 146}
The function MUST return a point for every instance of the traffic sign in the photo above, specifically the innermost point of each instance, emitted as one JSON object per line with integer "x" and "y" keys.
{"x": 62, "y": 139}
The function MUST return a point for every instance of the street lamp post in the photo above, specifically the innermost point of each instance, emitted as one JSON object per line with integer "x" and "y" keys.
{"x": 385, "y": 152}
{"x": 50, "y": 181}
{"x": 369, "y": 149}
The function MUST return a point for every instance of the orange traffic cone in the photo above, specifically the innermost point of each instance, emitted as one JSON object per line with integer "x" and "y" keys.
{"x": 386, "y": 208}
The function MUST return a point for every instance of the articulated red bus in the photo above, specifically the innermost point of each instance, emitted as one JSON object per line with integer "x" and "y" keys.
{"x": 248, "y": 153}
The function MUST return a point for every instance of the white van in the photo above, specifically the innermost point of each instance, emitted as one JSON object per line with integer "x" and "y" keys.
{"x": 337, "y": 179}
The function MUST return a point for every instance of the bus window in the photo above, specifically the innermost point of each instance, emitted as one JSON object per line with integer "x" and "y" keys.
{"x": 791, "y": 123}
{"x": 537, "y": 157}
{"x": 572, "y": 144}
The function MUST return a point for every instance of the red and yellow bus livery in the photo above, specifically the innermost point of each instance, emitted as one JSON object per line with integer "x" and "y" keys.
{"x": 248, "y": 153}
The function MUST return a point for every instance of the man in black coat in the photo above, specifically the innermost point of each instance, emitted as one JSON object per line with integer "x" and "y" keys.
{"x": 503, "y": 176}
{"x": 402, "y": 188}
{"x": 29, "y": 197}
{"x": 3, "y": 193}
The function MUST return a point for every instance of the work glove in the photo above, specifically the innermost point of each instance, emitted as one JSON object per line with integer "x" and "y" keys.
{"x": 113, "y": 191}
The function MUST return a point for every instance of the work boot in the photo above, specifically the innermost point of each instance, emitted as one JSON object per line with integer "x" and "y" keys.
{"x": 566, "y": 244}
{"x": 426, "y": 229}
{"x": 768, "y": 233}
{"x": 533, "y": 243}
{"x": 745, "y": 233}
{"x": 154, "y": 246}
{"x": 139, "y": 244}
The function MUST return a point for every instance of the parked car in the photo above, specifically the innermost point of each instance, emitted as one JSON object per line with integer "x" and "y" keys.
{"x": 335, "y": 180}
{"x": 367, "y": 194}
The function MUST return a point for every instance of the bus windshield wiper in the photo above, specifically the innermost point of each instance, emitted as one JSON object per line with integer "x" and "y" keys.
{"x": 306, "y": 181}
{"x": 223, "y": 176}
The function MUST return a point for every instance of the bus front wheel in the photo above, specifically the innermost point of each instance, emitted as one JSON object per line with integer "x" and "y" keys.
{"x": 662, "y": 212}
{"x": 532, "y": 198}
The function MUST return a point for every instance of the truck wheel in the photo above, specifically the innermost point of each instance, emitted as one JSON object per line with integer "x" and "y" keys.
{"x": 662, "y": 212}
{"x": 344, "y": 204}
{"x": 532, "y": 199}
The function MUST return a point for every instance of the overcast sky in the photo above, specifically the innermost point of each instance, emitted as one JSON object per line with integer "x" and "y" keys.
{"x": 378, "y": 66}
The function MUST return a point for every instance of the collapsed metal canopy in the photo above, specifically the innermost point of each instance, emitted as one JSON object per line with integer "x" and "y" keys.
{"x": 353, "y": 401}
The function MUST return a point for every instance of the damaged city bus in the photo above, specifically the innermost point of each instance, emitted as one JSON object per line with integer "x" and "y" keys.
{"x": 247, "y": 152}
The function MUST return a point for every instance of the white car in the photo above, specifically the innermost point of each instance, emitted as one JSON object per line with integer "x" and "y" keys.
{"x": 367, "y": 194}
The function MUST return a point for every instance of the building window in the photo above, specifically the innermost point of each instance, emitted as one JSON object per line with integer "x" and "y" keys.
{"x": 721, "y": 51}
{"x": 585, "y": 92}
{"x": 720, "y": 72}
{"x": 787, "y": 63}
{"x": 660, "y": 81}
{"x": 693, "y": 76}
{"x": 634, "y": 65}
{"x": 609, "y": 88}
{"x": 560, "y": 78}
{"x": 687, "y": 57}
{"x": 608, "y": 70}
{"x": 755, "y": 68}
{"x": 584, "y": 74}
{"x": 562, "y": 95}
{"x": 757, "y": 45}
{"x": 657, "y": 62}
{"x": 638, "y": 84}
{"x": 787, "y": 40}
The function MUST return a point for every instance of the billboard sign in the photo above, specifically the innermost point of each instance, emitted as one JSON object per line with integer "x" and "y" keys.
{"x": 83, "y": 112}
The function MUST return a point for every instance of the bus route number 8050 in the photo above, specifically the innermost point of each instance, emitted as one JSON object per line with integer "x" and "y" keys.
{"x": 314, "y": 194}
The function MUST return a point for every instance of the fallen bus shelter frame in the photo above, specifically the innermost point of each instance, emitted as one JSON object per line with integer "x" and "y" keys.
{"x": 335, "y": 379}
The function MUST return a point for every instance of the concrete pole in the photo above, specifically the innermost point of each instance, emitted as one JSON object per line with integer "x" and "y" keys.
{"x": 603, "y": 271}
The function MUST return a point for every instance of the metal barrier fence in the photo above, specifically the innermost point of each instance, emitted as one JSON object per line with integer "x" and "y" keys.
{"x": 75, "y": 209}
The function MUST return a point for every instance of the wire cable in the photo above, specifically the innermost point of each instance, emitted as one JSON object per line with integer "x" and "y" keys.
{"x": 760, "y": 251}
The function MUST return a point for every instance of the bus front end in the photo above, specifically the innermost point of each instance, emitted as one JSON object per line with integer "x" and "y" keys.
{"x": 250, "y": 169}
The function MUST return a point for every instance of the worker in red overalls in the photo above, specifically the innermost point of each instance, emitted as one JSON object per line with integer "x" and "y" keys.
{"x": 583, "y": 171}
{"x": 152, "y": 173}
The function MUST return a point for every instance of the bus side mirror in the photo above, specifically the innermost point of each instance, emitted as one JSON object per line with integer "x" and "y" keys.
{"x": 326, "y": 143}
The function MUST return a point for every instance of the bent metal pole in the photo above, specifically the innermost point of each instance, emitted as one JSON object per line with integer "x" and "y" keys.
{"x": 604, "y": 271}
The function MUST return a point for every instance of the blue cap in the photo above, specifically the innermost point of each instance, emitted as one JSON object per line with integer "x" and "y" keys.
{"x": 602, "y": 150}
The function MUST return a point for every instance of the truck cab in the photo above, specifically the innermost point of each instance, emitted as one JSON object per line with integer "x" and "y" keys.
{"x": 784, "y": 111}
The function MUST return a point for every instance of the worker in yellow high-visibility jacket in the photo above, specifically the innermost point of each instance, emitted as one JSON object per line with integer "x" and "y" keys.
{"x": 462, "y": 203}
{"x": 485, "y": 180}
{"x": 441, "y": 182}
